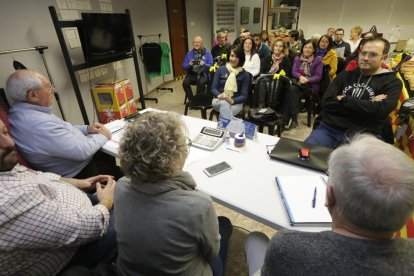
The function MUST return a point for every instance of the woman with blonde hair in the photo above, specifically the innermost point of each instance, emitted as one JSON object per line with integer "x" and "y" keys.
{"x": 355, "y": 38}
{"x": 164, "y": 225}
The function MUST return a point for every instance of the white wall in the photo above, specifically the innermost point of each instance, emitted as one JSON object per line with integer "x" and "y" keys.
{"x": 200, "y": 21}
{"x": 253, "y": 28}
{"x": 27, "y": 23}
{"x": 316, "y": 16}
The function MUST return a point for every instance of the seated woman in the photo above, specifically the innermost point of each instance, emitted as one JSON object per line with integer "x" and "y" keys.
{"x": 164, "y": 226}
{"x": 274, "y": 64}
{"x": 307, "y": 71}
{"x": 231, "y": 85}
{"x": 252, "y": 59}
{"x": 328, "y": 55}
{"x": 278, "y": 60}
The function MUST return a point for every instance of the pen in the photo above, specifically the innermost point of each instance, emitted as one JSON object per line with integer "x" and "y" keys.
{"x": 314, "y": 198}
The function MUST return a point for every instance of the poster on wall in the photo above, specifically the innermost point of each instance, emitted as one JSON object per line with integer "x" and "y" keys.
{"x": 244, "y": 15}
{"x": 256, "y": 15}
{"x": 225, "y": 15}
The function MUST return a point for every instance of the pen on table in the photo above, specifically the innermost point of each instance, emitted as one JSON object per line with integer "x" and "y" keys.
{"x": 314, "y": 197}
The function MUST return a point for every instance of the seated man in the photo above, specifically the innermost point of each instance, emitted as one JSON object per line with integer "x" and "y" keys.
{"x": 220, "y": 48}
{"x": 358, "y": 100}
{"x": 196, "y": 63}
{"x": 370, "y": 195}
{"x": 45, "y": 141}
{"x": 47, "y": 222}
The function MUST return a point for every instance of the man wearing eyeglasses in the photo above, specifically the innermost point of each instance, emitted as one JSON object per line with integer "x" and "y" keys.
{"x": 48, "y": 143}
{"x": 358, "y": 100}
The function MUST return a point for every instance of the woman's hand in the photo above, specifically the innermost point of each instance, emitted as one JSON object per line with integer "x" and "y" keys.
{"x": 230, "y": 100}
{"x": 303, "y": 80}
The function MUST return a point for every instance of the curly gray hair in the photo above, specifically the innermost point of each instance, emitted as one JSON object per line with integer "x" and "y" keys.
{"x": 153, "y": 147}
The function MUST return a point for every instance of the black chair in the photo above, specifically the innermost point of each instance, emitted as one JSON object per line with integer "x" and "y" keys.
{"x": 269, "y": 94}
{"x": 201, "y": 102}
{"x": 314, "y": 101}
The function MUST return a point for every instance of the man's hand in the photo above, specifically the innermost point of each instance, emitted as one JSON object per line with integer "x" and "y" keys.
{"x": 106, "y": 132}
{"x": 105, "y": 194}
{"x": 88, "y": 184}
{"x": 340, "y": 97}
{"x": 379, "y": 98}
{"x": 202, "y": 63}
{"x": 95, "y": 127}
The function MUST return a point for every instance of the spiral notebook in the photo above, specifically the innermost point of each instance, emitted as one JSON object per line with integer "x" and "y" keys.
{"x": 304, "y": 200}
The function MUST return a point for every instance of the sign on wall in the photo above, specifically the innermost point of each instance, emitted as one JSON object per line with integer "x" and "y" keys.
{"x": 225, "y": 15}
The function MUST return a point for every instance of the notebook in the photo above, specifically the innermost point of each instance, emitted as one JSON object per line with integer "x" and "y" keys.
{"x": 304, "y": 200}
{"x": 287, "y": 150}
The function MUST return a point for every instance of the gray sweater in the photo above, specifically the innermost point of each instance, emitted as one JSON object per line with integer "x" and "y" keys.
{"x": 329, "y": 253}
{"x": 165, "y": 228}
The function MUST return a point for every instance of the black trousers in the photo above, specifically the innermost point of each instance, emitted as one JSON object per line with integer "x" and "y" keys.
{"x": 101, "y": 163}
{"x": 291, "y": 104}
{"x": 191, "y": 79}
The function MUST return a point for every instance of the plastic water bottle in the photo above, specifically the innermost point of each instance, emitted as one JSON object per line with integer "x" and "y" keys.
{"x": 227, "y": 137}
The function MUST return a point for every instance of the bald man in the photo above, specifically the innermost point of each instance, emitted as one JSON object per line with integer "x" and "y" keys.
{"x": 196, "y": 63}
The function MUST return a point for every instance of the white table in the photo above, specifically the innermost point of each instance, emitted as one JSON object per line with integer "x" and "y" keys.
{"x": 250, "y": 187}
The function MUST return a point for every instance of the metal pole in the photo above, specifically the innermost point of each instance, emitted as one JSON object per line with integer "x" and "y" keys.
{"x": 41, "y": 52}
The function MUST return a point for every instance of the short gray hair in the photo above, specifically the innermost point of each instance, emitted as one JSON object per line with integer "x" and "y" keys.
{"x": 373, "y": 184}
{"x": 153, "y": 147}
{"x": 21, "y": 81}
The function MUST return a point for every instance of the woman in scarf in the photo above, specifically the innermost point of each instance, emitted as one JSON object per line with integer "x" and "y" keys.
{"x": 231, "y": 85}
{"x": 307, "y": 72}
{"x": 327, "y": 54}
{"x": 274, "y": 64}
{"x": 164, "y": 225}
{"x": 278, "y": 60}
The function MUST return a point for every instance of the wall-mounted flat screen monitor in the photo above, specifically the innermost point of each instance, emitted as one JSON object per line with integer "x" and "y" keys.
{"x": 105, "y": 35}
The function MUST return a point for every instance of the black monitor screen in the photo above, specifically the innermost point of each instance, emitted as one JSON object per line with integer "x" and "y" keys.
{"x": 105, "y": 34}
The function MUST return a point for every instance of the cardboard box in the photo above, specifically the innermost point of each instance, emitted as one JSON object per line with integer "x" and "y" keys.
{"x": 132, "y": 106}
{"x": 108, "y": 115}
{"x": 109, "y": 96}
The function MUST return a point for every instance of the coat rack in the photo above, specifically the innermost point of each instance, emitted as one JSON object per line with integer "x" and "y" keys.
{"x": 163, "y": 76}
{"x": 40, "y": 49}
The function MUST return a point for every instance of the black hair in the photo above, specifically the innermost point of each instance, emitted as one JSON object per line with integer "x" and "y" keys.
{"x": 340, "y": 29}
{"x": 383, "y": 41}
{"x": 311, "y": 41}
{"x": 239, "y": 52}
{"x": 330, "y": 41}
{"x": 294, "y": 34}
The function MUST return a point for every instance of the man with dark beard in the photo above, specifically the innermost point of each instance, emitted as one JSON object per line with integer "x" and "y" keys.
{"x": 47, "y": 222}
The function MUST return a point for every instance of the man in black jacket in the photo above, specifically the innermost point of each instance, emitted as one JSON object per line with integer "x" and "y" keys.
{"x": 359, "y": 100}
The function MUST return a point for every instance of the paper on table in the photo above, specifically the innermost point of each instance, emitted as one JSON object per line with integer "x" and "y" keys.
{"x": 297, "y": 194}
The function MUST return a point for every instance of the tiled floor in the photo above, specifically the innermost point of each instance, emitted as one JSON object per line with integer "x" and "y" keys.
{"x": 236, "y": 264}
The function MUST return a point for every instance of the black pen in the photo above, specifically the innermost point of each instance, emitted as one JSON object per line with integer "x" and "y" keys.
{"x": 314, "y": 197}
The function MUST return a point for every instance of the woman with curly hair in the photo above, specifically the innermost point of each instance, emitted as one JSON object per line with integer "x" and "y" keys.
{"x": 164, "y": 226}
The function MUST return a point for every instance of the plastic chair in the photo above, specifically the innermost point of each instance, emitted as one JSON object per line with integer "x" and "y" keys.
{"x": 201, "y": 102}
{"x": 269, "y": 93}
{"x": 314, "y": 100}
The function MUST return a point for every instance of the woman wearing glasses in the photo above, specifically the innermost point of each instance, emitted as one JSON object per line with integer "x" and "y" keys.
{"x": 164, "y": 226}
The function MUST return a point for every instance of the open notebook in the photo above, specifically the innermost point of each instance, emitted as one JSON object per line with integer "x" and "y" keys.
{"x": 298, "y": 193}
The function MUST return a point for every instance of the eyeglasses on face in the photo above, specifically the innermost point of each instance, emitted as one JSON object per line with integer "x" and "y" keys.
{"x": 370, "y": 55}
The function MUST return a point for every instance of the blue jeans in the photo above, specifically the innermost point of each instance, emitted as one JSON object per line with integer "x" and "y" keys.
{"x": 226, "y": 110}
{"x": 218, "y": 263}
{"x": 326, "y": 136}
